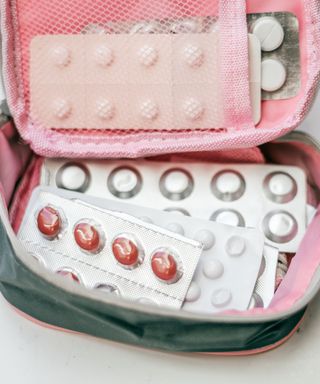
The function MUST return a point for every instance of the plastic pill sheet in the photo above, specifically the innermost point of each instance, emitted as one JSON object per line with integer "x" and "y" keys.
{"x": 229, "y": 264}
{"x": 230, "y": 260}
{"x": 100, "y": 268}
{"x": 269, "y": 197}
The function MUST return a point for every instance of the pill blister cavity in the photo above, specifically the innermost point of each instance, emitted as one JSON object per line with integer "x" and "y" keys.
{"x": 74, "y": 177}
{"x": 49, "y": 222}
{"x": 176, "y": 228}
{"x": 124, "y": 182}
{"x": 269, "y": 32}
{"x": 176, "y": 184}
{"x": 148, "y": 56}
{"x": 149, "y": 110}
{"x": 213, "y": 269}
{"x": 193, "y": 109}
{"x": 105, "y": 109}
{"x": 89, "y": 236}
{"x": 166, "y": 266}
{"x": 104, "y": 56}
{"x": 109, "y": 289}
{"x": 62, "y": 109}
{"x": 221, "y": 298}
{"x": 280, "y": 226}
{"x": 236, "y": 246}
{"x": 61, "y": 56}
{"x": 206, "y": 238}
{"x": 69, "y": 274}
{"x": 194, "y": 56}
{"x": 127, "y": 251}
{"x": 273, "y": 75}
{"x": 228, "y": 185}
{"x": 228, "y": 217}
{"x": 193, "y": 293}
{"x": 280, "y": 187}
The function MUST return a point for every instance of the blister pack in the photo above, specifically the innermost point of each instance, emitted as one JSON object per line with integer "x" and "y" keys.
{"x": 278, "y": 33}
{"x": 139, "y": 81}
{"x": 229, "y": 264}
{"x": 230, "y": 260}
{"x": 104, "y": 250}
{"x": 270, "y": 197}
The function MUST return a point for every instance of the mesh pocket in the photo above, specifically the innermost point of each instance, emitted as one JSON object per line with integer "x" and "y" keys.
{"x": 190, "y": 29}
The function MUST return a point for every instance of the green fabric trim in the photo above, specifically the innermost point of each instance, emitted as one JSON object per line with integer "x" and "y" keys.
{"x": 49, "y": 304}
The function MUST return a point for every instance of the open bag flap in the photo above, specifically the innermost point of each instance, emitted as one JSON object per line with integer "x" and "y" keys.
{"x": 227, "y": 122}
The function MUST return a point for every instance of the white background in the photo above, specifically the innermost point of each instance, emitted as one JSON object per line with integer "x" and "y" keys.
{"x": 30, "y": 354}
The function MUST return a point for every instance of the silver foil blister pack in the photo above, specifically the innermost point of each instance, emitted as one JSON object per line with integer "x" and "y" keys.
{"x": 229, "y": 264}
{"x": 104, "y": 250}
{"x": 227, "y": 270}
{"x": 269, "y": 197}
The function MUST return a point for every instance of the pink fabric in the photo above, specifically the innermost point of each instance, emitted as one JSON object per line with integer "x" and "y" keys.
{"x": 13, "y": 157}
{"x": 23, "y": 193}
{"x": 234, "y": 66}
{"x": 20, "y": 21}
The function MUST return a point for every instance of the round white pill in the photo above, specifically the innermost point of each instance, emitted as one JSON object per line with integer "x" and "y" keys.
{"x": 282, "y": 224}
{"x": 148, "y": 56}
{"x": 193, "y": 293}
{"x": 273, "y": 74}
{"x": 269, "y": 31}
{"x": 236, "y": 246}
{"x": 73, "y": 177}
{"x": 206, "y": 238}
{"x": 229, "y": 182}
{"x": 62, "y": 109}
{"x": 193, "y": 109}
{"x": 176, "y": 228}
{"x": 176, "y": 182}
{"x": 125, "y": 180}
{"x": 281, "y": 184}
{"x": 149, "y": 110}
{"x": 104, "y": 56}
{"x": 61, "y": 56}
{"x": 213, "y": 269}
{"x": 194, "y": 56}
{"x": 221, "y": 298}
{"x": 228, "y": 185}
{"x": 228, "y": 217}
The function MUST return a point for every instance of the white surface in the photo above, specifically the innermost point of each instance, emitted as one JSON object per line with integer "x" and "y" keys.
{"x": 270, "y": 33}
{"x": 273, "y": 75}
{"x": 30, "y": 354}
